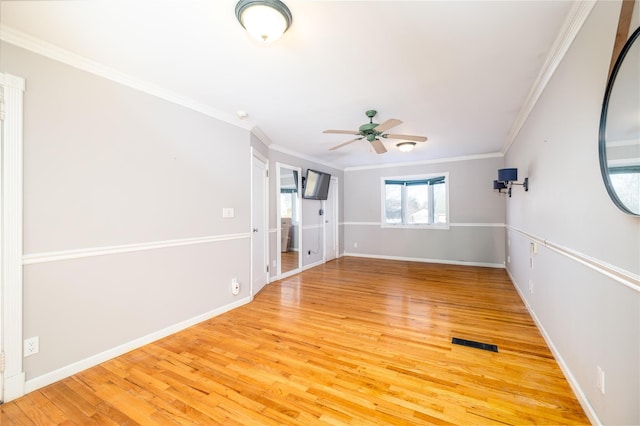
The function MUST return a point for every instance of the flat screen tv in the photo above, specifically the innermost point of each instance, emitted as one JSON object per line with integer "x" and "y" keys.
{"x": 316, "y": 185}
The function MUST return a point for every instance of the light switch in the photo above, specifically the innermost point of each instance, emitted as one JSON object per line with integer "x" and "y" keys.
{"x": 228, "y": 212}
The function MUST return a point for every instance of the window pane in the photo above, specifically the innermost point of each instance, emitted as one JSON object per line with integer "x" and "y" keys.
{"x": 627, "y": 186}
{"x": 415, "y": 201}
{"x": 393, "y": 204}
{"x": 439, "y": 203}
{"x": 286, "y": 205}
{"x": 417, "y": 204}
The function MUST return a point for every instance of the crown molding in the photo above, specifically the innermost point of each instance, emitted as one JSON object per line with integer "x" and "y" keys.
{"x": 571, "y": 27}
{"x": 288, "y": 151}
{"x": 56, "y": 53}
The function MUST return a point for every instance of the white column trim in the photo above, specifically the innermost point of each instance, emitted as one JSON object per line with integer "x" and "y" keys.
{"x": 11, "y": 236}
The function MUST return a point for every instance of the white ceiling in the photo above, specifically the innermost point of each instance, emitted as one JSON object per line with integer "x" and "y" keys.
{"x": 456, "y": 71}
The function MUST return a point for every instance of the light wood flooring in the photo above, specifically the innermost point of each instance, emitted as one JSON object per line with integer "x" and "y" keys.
{"x": 289, "y": 260}
{"x": 354, "y": 341}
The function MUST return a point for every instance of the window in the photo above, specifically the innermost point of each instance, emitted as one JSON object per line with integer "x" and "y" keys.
{"x": 626, "y": 182}
{"x": 415, "y": 201}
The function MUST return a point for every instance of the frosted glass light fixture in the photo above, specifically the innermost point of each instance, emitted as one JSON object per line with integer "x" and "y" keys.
{"x": 406, "y": 146}
{"x": 264, "y": 20}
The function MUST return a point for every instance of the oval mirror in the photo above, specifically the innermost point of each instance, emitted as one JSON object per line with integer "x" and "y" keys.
{"x": 620, "y": 129}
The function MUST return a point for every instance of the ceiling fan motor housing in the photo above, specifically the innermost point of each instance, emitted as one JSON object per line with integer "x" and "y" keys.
{"x": 365, "y": 129}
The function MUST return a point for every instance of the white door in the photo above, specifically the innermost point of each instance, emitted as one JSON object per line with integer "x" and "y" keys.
{"x": 260, "y": 231}
{"x": 331, "y": 222}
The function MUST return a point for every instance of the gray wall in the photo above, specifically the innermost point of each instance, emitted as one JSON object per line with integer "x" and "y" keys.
{"x": 588, "y": 318}
{"x": 476, "y": 213}
{"x": 112, "y": 178}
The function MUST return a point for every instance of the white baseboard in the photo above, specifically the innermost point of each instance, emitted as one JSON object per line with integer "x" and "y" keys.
{"x": 575, "y": 386}
{"x": 76, "y": 367}
{"x": 313, "y": 265}
{"x": 424, "y": 260}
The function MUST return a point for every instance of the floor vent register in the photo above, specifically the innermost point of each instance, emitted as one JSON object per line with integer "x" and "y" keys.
{"x": 472, "y": 344}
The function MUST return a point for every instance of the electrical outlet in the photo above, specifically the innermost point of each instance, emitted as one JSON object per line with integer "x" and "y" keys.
{"x": 31, "y": 346}
{"x": 355, "y": 245}
{"x": 530, "y": 286}
{"x": 235, "y": 286}
{"x": 600, "y": 382}
{"x": 508, "y": 259}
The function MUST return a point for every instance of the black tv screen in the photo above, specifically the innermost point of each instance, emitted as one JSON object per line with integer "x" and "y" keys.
{"x": 316, "y": 185}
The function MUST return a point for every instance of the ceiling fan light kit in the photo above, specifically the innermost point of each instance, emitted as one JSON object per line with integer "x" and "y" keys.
{"x": 406, "y": 146}
{"x": 373, "y": 131}
{"x": 264, "y": 20}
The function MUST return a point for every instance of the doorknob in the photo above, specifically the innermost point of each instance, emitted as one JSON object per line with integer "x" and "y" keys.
{"x": 255, "y": 229}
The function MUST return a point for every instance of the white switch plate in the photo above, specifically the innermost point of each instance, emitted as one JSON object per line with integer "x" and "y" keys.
{"x": 228, "y": 212}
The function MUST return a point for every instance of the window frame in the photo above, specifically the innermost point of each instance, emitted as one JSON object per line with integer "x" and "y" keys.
{"x": 440, "y": 226}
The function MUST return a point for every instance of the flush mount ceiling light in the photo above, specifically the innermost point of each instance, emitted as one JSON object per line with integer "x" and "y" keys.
{"x": 264, "y": 20}
{"x": 406, "y": 146}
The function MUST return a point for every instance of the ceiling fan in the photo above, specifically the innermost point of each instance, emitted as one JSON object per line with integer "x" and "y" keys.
{"x": 373, "y": 131}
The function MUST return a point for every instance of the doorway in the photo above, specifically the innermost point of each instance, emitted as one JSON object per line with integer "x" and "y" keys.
{"x": 331, "y": 222}
{"x": 289, "y": 230}
{"x": 259, "y": 221}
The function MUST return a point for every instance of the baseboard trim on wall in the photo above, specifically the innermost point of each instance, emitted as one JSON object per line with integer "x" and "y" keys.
{"x": 313, "y": 265}
{"x": 575, "y": 386}
{"x": 92, "y": 361}
{"x": 425, "y": 260}
{"x": 56, "y": 256}
{"x": 619, "y": 275}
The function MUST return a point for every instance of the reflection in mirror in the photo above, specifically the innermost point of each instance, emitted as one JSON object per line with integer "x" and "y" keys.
{"x": 620, "y": 129}
{"x": 288, "y": 219}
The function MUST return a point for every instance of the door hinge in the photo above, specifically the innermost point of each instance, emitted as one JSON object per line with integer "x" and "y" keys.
{"x": 266, "y": 173}
{"x": 267, "y": 268}
{"x": 2, "y": 362}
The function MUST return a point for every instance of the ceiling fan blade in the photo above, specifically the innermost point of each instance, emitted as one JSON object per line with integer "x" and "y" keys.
{"x": 378, "y": 146}
{"x": 392, "y": 122}
{"x": 343, "y": 132}
{"x": 407, "y": 137}
{"x": 344, "y": 143}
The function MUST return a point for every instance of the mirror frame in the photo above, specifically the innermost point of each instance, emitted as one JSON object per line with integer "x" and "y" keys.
{"x": 602, "y": 136}
{"x": 280, "y": 274}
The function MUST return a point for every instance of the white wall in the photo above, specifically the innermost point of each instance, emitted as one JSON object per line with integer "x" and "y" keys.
{"x": 124, "y": 238}
{"x": 476, "y": 214}
{"x": 588, "y": 318}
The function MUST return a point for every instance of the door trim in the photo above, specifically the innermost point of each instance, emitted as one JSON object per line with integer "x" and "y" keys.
{"x": 11, "y": 244}
{"x": 334, "y": 186}
{"x": 256, "y": 155}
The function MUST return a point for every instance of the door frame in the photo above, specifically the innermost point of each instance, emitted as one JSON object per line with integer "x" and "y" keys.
{"x": 333, "y": 192}
{"x": 257, "y": 156}
{"x": 12, "y": 381}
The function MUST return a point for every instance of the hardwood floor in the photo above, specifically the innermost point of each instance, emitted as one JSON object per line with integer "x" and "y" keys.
{"x": 354, "y": 341}
{"x": 289, "y": 260}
